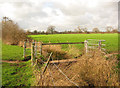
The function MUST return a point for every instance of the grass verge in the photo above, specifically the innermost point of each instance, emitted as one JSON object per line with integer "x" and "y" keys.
{"x": 17, "y": 74}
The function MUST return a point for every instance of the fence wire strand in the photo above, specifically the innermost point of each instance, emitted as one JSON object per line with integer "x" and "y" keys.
{"x": 64, "y": 74}
{"x": 51, "y": 76}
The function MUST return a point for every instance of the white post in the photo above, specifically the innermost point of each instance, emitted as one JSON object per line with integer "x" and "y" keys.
{"x": 99, "y": 45}
{"x": 86, "y": 46}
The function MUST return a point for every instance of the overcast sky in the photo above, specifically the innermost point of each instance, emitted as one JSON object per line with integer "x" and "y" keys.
{"x": 64, "y": 14}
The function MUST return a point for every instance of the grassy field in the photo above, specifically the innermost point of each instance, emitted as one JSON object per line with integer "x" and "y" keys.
{"x": 111, "y": 39}
{"x": 12, "y": 52}
{"x": 17, "y": 74}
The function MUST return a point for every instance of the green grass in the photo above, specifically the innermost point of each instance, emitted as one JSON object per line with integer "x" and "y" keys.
{"x": 111, "y": 39}
{"x": 12, "y": 52}
{"x": 17, "y": 74}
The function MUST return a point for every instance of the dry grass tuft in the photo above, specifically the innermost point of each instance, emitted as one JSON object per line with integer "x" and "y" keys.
{"x": 58, "y": 53}
{"x": 94, "y": 69}
{"x": 74, "y": 51}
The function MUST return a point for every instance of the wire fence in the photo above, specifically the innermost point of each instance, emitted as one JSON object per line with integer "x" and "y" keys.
{"x": 36, "y": 49}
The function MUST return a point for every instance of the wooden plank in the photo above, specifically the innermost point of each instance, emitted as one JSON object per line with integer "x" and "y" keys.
{"x": 90, "y": 44}
{"x": 62, "y": 43}
{"x": 92, "y": 47}
{"x": 96, "y": 40}
{"x": 63, "y": 61}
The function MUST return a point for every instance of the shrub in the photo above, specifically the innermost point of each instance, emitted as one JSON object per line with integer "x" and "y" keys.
{"x": 11, "y": 33}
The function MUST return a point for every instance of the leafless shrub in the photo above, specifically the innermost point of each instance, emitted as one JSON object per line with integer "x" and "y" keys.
{"x": 11, "y": 33}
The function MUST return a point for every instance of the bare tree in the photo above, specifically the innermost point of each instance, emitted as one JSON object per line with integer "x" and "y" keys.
{"x": 51, "y": 29}
{"x": 109, "y": 28}
{"x": 84, "y": 29}
{"x": 81, "y": 29}
{"x": 78, "y": 29}
{"x": 96, "y": 30}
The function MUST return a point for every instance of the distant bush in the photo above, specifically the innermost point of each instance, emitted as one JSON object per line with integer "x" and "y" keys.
{"x": 11, "y": 32}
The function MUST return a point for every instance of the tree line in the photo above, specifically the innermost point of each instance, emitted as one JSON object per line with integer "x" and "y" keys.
{"x": 51, "y": 30}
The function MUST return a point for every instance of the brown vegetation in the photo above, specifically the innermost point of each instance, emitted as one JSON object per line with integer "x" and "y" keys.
{"x": 58, "y": 53}
{"x": 11, "y": 33}
{"x": 91, "y": 70}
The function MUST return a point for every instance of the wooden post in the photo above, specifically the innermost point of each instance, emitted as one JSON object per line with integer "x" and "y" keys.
{"x": 40, "y": 48}
{"x": 32, "y": 53}
{"x": 86, "y": 46}
{"x": 24, "y": 49}
{"x": 35, "y": 48}
{"x": 27, "y": 43}
{"x": 99, "y": 45}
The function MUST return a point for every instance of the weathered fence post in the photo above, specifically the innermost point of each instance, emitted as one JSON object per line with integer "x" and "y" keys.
{"x": 35, "y": 48}
{"x": 99, "y": 45}
{"x": 32, "y": 53}
{"x": 40, "y": 48}
{"x": 86, "y": 46}
{"x": 24, "y": 49}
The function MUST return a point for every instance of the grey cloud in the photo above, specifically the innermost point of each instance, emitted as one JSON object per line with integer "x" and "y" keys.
{"x": 71, "y": 13}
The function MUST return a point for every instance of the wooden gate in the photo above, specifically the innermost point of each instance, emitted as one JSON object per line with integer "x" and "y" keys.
{"x": 92, "y": 44}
